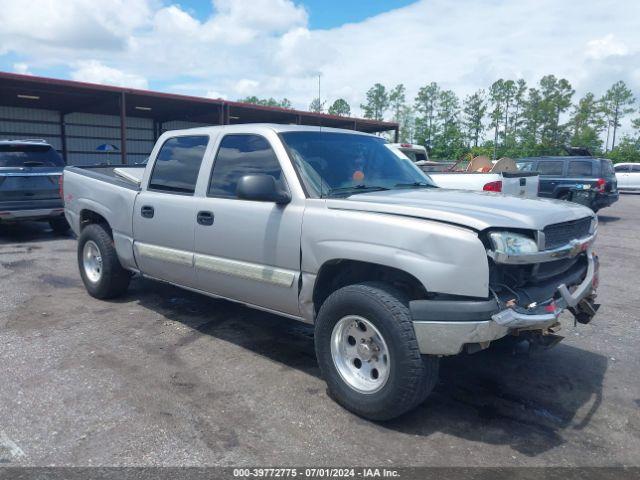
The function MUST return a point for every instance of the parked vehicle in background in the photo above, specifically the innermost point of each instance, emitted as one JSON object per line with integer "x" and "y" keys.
{"x": 479, "y": 174}
{"x": 415, "y": 153}
{"x": 30, "y": 172}
{"x": 562, "y": 177}
{"x": 333, "y": 228}
{"x": 628, "y": 176}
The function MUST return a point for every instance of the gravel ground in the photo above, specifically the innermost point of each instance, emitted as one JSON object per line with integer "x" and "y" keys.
{"x": 167, "y": 377}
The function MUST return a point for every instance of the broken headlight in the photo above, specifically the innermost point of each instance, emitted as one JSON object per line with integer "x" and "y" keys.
{"x": 510, "y": 243}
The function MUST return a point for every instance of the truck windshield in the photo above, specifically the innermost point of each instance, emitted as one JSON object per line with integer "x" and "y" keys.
{"x": 342, "y": 164}
{"x": 21, "y": 155}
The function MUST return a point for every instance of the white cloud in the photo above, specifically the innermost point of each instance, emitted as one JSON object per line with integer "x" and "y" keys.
{"x": 22, "y": 68}
{"x": 266, "y": 47}
{"x": 95, "y": 72}
{"x": 605, "y": 47}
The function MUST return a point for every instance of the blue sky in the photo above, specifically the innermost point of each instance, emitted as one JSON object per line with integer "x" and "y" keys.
{"x": 276, "y": 48}
{"x": 322, "y": 13}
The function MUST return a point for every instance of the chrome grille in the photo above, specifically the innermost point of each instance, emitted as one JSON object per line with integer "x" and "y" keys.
{"x": 560, "y": 234}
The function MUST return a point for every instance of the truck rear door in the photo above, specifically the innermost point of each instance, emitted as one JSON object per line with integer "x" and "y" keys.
{"x": 164, "y": 216}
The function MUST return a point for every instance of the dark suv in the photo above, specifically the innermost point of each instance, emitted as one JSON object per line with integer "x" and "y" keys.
{"x": 30, "y": 175}
{"x": 565, "y": 177}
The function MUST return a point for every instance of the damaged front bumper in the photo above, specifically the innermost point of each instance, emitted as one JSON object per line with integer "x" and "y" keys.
{"x": 445, "y": 327}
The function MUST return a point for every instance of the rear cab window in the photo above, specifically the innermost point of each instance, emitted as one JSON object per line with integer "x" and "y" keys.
{"x": 178, "y": 163}
{"x": 635, "y": 168}
{"x": 240, "y": 155}
{"x": 29, "y": 155}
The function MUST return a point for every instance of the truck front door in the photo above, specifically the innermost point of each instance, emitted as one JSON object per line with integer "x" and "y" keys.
{"x": 165, "y": 211}
{"x": 246, "y": 250}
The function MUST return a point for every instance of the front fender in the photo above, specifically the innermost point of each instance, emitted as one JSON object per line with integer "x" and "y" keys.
{"x": 444, "y": 258}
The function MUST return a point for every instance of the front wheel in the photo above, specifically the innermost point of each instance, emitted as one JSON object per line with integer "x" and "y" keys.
{"x": 100, "y": 269}
{"x": 368, "y": 353}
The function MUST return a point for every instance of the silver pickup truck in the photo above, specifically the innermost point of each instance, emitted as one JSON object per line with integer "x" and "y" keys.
{"x": 333, "y": 228}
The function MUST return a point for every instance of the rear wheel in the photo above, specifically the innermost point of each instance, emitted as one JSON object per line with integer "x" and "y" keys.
{"x": 100, "y": 269}
{"x": 368, "y": 353}
{"x": 59, "y": 225}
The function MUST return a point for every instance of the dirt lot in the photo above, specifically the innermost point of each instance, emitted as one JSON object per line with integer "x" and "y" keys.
{"x": 166, "y": 377}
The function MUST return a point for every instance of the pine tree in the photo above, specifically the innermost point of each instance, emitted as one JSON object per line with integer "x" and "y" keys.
{"x": 474, "y": 108}
{"x": 377, "y": 102}
{"x": 340, "y": 107}
{"x": 426, "y": 103}
{"x": 619, "y": 103}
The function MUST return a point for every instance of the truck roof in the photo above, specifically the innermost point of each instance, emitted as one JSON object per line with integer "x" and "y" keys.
{"x": 262, "y": 127}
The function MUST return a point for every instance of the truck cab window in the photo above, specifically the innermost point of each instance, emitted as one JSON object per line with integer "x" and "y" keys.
{"x": 176, "y": 168}
{"x": 241, "y": 155}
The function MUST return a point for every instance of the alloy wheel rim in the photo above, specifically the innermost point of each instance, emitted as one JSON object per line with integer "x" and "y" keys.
{"x": 92, "y": 261}
{"x": 360, "y": 354}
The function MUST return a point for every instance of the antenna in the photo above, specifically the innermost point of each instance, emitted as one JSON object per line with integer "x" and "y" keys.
{"x": 319, "y": 99}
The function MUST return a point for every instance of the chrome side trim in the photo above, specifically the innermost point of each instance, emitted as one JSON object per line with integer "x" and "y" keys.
{"x": 251, "y": 271}
{"x": 166, "y": 254}
{"x": 220, "y": 297}
{"x": 571, "y": 249}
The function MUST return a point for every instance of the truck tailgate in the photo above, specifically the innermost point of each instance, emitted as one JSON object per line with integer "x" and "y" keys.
{"x": 520, "y": 184}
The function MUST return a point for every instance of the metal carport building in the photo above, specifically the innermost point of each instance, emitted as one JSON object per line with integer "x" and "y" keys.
{"x": 93, "y": 124}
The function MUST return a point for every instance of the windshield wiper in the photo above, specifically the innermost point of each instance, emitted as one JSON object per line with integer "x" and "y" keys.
{"x": 354, "y": 189}
{"x": 414, "y": 184}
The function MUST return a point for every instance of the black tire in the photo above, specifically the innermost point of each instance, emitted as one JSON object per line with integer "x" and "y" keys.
{"x": 113, "y": 280}
{"x": 59, "y": 225}
{"x": 411, "y": 376}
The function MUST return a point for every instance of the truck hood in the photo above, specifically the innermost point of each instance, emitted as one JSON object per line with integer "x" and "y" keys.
{"x": 476, "y": 210}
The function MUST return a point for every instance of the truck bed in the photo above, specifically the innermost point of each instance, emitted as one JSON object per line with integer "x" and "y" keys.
{"x": 101, "y": 190}
{"x": 523, "y": 184}
{"x": 122, "y": 175}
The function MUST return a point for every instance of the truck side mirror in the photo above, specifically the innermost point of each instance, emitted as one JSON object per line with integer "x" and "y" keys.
{"x": 261, "y": 188}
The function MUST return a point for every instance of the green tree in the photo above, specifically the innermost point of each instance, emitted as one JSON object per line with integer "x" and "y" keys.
{"x": 627, "y": 151}
{"x": 519, "y": 99}
{"x": 267, "y": 102}
{"x": 556, "y": 99}
{"x": 474, "y": 108}
{"x": 340, "y": 107}
{"x": 377, "y": 102}
{"x": 496, "y": 100}
{"x": 426, "y": 103}
{"x": 397, "y": 101}
{"x": 532, "y": 120}
{"x": 407, "y": 125}
{"x": 618, "y": 104}
{"x": 586, "y": 123}
{"x": 448, "y": 142}
{"x": 316, "y": 105}
{"x": 286, "y": 103}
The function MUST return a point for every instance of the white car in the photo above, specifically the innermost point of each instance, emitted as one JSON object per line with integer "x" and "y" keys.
{"x": 628, "y": 176}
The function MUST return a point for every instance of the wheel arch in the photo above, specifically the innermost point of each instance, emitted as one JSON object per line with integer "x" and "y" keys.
{"x": 340, "y": 272}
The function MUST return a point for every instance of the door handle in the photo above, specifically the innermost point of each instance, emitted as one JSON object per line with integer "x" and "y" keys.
{"x": 205, "y": 218}
{"x": 147, "y": 211}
